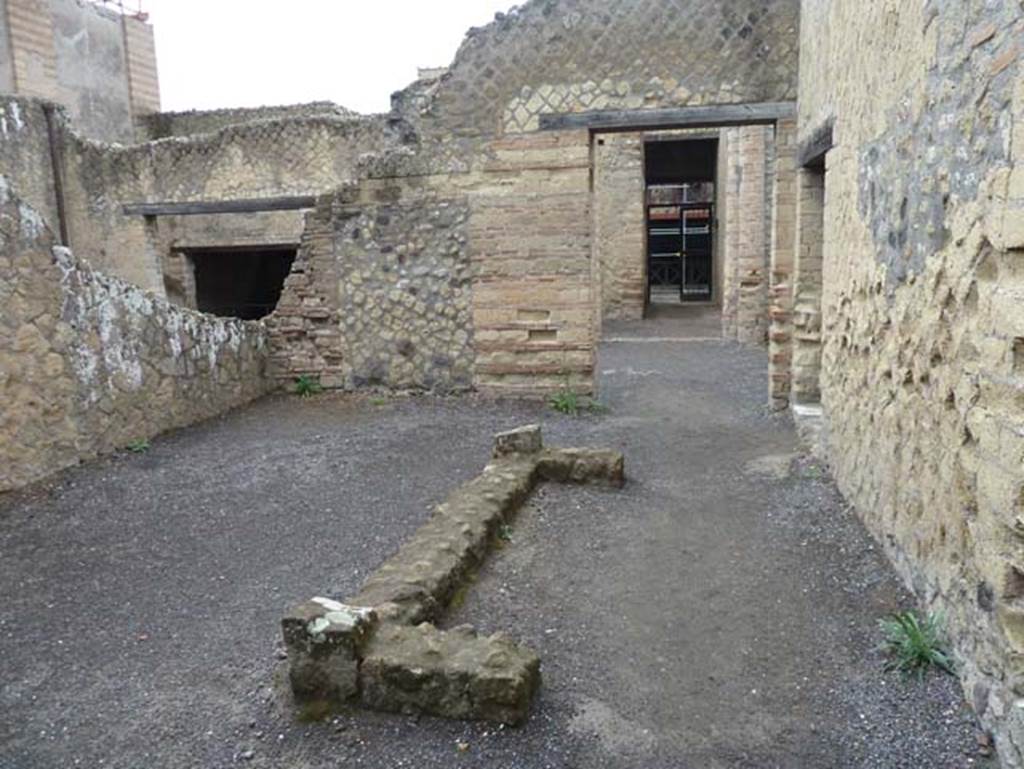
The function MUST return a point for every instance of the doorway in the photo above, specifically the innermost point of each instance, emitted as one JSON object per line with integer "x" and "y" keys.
{"x": 240, "y": 283}
{"x": 680, "y": 221}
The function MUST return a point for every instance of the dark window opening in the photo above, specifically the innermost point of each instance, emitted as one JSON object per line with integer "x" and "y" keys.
{"x": 239, "y": 283}
{"x": 680, "y": 219}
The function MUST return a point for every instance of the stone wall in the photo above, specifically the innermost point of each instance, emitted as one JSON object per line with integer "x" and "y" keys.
{"x": 94, "y": 363}
{"x": 163, "y": 125}
{"x": 264, "y": 158}
{"x": 25, "y": 155}
{"x": 577, "y": 55}
{"x": 379, "y": 294}
{"x": 922, "y": 309}
{"x": 99, "y": 65}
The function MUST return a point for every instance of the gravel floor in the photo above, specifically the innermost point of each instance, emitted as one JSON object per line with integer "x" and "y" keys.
{"x": 720, "y": 611}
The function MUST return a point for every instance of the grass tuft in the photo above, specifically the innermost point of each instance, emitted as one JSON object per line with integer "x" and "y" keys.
{"x": 915, "y": 644}
{"x": 565, "y": 402}
{"x": 307, "y": 386}
{"x": 139, "y": 446}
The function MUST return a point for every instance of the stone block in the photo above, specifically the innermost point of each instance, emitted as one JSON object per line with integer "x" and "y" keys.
{"x": 597, "y": 466}
{"x": 455, "y": 674}
{"x": 324, "y": 639}
{"x": 522, "y": 440}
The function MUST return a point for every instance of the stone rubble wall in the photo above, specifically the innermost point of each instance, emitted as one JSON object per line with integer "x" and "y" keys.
{"x": 94, "y": 363}
{"x": 306, "y": 155}
{"x": 922, "y": 309}
{"x": 576, "y": 55}
{"x": 164, "y": 125}
{"x": 379, "y": 294}
{"x": 260, "y": 159}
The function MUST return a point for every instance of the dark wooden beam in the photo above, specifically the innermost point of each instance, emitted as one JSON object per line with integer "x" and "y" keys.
{"x": 250, "y": 206}
{"x": 712, "y": 116}
{"x": 236, "y": 248}
{"x": 811, "y": 152}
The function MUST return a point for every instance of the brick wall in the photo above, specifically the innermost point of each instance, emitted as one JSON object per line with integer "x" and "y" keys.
{"x": 619, "y": 221}
{"x": 6, "y": 61}
{"x": 783, "y": 248}
{"x": 806, "y": 363}
{"x": 748, "y": 230}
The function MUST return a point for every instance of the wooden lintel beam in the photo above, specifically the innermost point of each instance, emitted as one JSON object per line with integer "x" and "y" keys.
{"x": 711, "y": 116}
{"x": 195, "y": 208}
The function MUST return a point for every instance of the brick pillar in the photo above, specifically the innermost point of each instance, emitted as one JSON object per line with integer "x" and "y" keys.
{"x": 748, "y": 234}
{"x": 807, "y": 286}
{"x": 780, "y": 333}
{"x": 730, "y": 230}
{"x": 531, "y": 247}
{"x": 30, "y": 25}
{"x": 143, "y": 79}
{"x": 619, "y": 220}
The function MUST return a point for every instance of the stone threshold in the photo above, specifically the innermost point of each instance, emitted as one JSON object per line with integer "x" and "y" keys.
{"x": 380, "y": 648}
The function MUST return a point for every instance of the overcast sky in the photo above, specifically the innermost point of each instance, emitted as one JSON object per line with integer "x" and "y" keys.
{"x": 247, "y": 53}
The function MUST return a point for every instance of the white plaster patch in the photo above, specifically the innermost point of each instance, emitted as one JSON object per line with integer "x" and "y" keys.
{"x": 330, "y": 605}
{"x": 16, "y": 116}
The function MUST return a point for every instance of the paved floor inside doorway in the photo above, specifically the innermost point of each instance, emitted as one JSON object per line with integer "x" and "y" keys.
{"x": 720, "y": 611}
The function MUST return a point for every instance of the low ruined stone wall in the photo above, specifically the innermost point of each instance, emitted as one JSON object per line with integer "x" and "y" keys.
{"x": 379, "y": 294}
{"x": 380, "y": 649}
{"x": 922, "y": 309}
{"x": 89, "y": 363}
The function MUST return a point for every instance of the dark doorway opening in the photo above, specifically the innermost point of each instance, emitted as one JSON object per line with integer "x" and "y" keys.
{"x": 680, "y": 177}
{"x": 240, "y": 283}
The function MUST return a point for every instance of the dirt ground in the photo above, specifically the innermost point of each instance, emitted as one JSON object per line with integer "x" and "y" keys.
{"x": 720, "y": 611}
